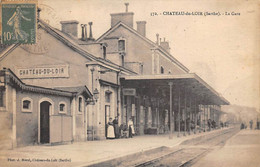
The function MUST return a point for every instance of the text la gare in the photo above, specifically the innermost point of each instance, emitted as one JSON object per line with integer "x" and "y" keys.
{"x": 232, "y": 14}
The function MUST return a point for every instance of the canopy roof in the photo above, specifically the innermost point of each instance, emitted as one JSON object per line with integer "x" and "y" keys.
{"x": 189, "y": 82}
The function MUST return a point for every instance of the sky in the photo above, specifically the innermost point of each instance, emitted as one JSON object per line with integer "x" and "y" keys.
{"x": 223, "y": 50}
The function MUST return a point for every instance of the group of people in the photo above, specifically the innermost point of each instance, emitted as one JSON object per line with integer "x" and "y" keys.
{"x": 115, "y": 132}
{"x": 211, "y": 124}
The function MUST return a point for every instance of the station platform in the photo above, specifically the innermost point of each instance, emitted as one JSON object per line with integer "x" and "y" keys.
{"x": 90, "y": 152}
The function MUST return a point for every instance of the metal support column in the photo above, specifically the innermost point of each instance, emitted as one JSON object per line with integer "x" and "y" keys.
{"x": 204, "y": 119}
{"x": 190, "y": 115}
{"x": 213, "y": 112}
{"x": 208, "y": 117}
{"x": 195, "y": 115}
{"x": 185, "y": 108}
{"x": 158, "y": 112}
{"x": 200, "y": 115}
{"x": 171, "y": 122}
{"x": 179, "y": 113}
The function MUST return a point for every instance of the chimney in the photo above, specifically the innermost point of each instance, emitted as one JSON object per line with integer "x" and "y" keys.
{"x": 141, "y": 27}
{"x": 126, "y": 17}
{"x": 85, "y": 25}
{"x": 157, "y": 39}
{"x": 90, "y": 31}
{"x": 70, "y": 27}
{"x": 126, "y": 7}
{"x": 165, "y": 45}
{"x": 82, "y": 32}
{"x": 38, "y": 12}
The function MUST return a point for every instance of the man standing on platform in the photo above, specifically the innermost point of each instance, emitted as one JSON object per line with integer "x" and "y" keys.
{"x": 116, "y": 128}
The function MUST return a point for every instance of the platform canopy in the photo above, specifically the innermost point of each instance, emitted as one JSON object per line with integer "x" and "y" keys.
{"x": 188, "y": 83}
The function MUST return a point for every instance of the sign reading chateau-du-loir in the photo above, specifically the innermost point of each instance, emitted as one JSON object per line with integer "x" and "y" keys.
{"x": 54, "y": 71}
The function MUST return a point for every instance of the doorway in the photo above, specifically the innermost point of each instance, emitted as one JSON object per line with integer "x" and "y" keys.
{"x": 45, "y": 122}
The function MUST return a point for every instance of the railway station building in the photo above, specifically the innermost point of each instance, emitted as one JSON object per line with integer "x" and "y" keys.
{"x": 65, "y": 88}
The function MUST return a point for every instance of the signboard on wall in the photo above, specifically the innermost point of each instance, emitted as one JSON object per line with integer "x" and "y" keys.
{"x": 50, "y": 71}
{"x": 129, "y": 92}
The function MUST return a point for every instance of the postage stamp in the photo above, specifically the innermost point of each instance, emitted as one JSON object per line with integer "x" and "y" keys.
{"x": 19, "y": 22}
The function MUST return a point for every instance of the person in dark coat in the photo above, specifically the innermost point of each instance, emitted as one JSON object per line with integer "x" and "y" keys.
{"x": 116, "y": 127}
{"x": 209, "y": 124}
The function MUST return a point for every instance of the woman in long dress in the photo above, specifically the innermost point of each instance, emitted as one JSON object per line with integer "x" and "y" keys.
{"x": 110, "y": 130}
{"x": 131, "y": 127}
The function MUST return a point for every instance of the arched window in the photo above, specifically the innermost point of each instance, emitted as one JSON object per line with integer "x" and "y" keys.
{"x": 162, "y": 70}
{"x": 80, "y": 104}
{"x": 27, "y": 104}
{"x": 62, "y": 107}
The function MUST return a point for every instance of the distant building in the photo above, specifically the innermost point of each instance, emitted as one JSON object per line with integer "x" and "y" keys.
{"x": 122, "y": 73}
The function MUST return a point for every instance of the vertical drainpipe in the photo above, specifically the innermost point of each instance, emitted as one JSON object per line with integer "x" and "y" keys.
{"x": 92, "y": 77}
{"x": 14, "y": 144}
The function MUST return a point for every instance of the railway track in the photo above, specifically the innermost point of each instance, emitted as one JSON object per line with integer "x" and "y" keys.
{"x": 189, "y": 152}
{"x": 184, "y": 155}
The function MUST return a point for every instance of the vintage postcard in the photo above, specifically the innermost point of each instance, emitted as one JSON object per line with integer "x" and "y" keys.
{"x": 130, "y": 83}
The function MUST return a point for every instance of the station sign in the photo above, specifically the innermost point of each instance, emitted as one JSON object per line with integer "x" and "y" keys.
{"x": 50, "y": 71}
{"x": 129, "y": 92}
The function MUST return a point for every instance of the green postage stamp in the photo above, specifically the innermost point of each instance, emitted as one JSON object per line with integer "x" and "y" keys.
{"x": 18, "y": 22}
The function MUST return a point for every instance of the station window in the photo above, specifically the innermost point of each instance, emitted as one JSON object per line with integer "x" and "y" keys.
{"x": 62, "y": 107}
{"x": 104, "y": 48}
{"x": 80, "y": 104}
{"x": 1, "y": 98}
{"x": 26, "y": 104}
{"x": 121, "y": 45}
{"x": 162, "y": 70}
{"x": 107, "y": 96}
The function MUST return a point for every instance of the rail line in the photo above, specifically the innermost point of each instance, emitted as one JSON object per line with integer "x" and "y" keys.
{"x": 185, "y": 156}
